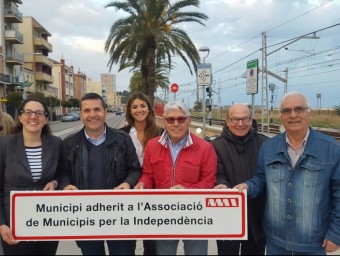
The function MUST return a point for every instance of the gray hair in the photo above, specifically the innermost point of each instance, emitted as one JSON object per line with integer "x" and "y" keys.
{"x": 246, "y": 105}
{"x": 293, "y": 94}
{"x": 176, "y": 105}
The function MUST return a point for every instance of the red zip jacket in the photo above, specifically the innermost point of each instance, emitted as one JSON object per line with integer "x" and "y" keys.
{"x": 195, "y": 166}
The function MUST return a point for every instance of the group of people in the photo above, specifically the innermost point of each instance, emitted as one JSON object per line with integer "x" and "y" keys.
{"x": 292, "y": 179}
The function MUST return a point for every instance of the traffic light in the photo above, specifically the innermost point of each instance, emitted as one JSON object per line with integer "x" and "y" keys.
{"x": 209, "y": 91}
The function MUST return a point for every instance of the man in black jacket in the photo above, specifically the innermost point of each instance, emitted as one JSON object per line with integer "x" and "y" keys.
{"x": 237, "y": 149}
{"x": 99, "y": 157}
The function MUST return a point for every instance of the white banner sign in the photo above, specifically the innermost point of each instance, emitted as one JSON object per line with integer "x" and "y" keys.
{"x": 129, "y": 214}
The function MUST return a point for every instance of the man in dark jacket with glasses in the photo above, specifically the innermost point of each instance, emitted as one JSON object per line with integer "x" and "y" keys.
{"x": 237, "y": 150}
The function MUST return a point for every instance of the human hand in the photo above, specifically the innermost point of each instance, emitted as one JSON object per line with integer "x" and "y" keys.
{"x": 70, "y": 187}
{"x": 177, "y": 187}
{"x": 52, "y": 185}
{"x": 140, "y": 185}
{"x": 124, "y": 185}
{"x": 221, "y": 186}
{"x": 6, "y": 235}
{"x": 241, "y": 187}
{"x": 330, "y": 246}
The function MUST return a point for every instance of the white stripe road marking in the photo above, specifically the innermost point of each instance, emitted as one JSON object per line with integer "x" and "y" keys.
{"x": 78, "y": 127}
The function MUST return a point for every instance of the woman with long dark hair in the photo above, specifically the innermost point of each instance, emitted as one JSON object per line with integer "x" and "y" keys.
{"x": 141, "y": 126}
{"x": 30, "y": 159}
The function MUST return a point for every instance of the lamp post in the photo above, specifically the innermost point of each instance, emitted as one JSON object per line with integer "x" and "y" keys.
{"x": 203, "y": 49}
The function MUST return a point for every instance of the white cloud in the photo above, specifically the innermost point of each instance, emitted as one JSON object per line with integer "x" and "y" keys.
{"x": 79, "y": 30}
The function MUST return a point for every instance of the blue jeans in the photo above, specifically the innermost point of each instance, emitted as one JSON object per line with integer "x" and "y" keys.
{"x": 116, "y": 247}
{"x": 273, "y": 249}
{"x": 191, "y": 247}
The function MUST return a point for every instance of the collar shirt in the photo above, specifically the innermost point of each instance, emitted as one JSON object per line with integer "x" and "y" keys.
{"x": 175, "y": 148}
{"x": 138, "y": 145}
{"x": 98, "y": 141}
{"x": 295, "y": 154}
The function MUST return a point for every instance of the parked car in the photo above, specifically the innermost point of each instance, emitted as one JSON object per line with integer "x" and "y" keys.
{"x": 118, "y": 112}
{"x": 77, "y": 113}
{"x": 69, "y": 117}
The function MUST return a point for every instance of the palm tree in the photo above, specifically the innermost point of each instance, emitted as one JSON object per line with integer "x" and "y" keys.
{"x": 161, "y": 80}
{"x": 149, "y": 37}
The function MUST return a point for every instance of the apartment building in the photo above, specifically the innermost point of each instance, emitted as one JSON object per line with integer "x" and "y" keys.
{"x": 11, "y": 59}
{"x": 80, "y": 88}
{"x": 64, "y": 78}
{"x": 109, "y": 83}
{"x": 94, "y": 86}
{"x": 35, "y": 50}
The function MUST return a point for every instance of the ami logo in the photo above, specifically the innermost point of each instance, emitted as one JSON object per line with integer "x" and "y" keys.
{"x": 222, "y": 202}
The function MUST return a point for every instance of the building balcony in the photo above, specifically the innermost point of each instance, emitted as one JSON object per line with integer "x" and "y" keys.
{"x": 14, "y": 59}
{"x": 42, "y": 43}
{"x": 6, "y": 79}
{"x": 14, "y": 37}
{"x": 43, "y": 77}
{"x": 43, "y": 59}
{"x": 12, "y": 14}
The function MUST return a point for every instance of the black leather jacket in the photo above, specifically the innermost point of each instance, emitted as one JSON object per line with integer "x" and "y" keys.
{"x": 121, "y": 162}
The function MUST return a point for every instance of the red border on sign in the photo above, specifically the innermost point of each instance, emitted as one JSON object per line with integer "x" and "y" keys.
{"x": 130, "y": 192}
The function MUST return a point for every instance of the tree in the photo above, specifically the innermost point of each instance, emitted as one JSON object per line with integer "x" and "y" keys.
{"x": 14, "y": 99}
{"x": 38, "y": 95}
{"x": 337, "y": 109}
{"x": 125, "y": 95}
{"x": 149, "y": 36}
{"x": 67, "y": 104}
{"x": 75, "y": 102}
{"x": 161, "y": 80}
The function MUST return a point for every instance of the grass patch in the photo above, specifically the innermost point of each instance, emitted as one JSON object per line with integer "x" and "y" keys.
{"x": 320, "y": 119}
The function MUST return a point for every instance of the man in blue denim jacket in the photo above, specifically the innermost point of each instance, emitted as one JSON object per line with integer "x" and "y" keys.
{"x": 299, "y": 170}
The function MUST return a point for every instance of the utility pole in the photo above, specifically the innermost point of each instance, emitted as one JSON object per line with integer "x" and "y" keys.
{"x": 209, "y": 102}
{"x": 266, "y": 72}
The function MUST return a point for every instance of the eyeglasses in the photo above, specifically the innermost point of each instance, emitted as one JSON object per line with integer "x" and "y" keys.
{"x": 29, "y": 112}
{"x": 180, "y": 119}
{"x": 298, "y": 110}
{"x": 244, "y": 120}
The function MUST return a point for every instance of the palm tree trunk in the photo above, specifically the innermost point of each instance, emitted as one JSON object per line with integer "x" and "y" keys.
{"x": 144, "y": 71}
{"x": 150, "y": 43}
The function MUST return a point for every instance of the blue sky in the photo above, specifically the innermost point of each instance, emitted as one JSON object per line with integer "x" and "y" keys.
{"x": 233, "y": 34}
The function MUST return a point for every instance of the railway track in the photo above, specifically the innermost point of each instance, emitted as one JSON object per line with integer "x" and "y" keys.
{"x": 273, "y": 128}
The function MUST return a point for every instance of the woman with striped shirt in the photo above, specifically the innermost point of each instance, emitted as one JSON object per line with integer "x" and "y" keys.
{"x": 30, "y": 159}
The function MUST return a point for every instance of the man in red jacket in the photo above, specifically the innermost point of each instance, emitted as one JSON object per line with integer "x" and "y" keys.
{"x": 177, "y": 160}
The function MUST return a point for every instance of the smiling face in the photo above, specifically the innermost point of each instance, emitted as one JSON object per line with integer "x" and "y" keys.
{"x": 93, "y": 116}
{"x": 239, "y": 120}
{"x": 33, "y": 123}
{"x": 177, "y": 130}
{"x": 295, "y": 123}
{"x": 139, "y": 110}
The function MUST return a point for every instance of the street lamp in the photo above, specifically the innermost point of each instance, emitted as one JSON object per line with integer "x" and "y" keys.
{"x": 203, "y": 49}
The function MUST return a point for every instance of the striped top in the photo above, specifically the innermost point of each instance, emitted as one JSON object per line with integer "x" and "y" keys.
{"x": 34, "y": 155}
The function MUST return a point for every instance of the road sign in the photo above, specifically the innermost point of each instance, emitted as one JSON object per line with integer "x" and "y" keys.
{"x": 174, "y": 87}
{"x": 204, "y": 74}
{"x": 252, "y": 77}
